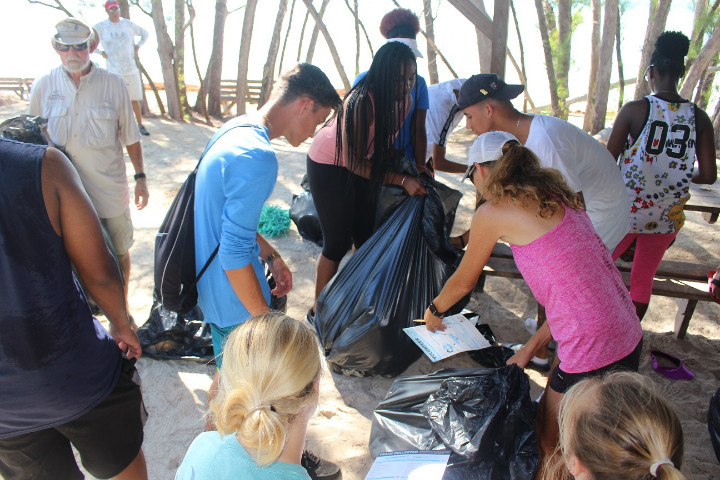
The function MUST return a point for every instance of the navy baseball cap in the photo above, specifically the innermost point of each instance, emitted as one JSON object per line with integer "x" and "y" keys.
{"x": 486, "y": 85}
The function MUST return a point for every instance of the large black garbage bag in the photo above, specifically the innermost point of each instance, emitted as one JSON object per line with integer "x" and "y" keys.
{"x": 169, "y": 335}
{"x": 25, "y": 128}
{"x": 305, "y": 217}
{"x": 486, "y": 417}
{"x": 386, "y": 284}
{"x": 714, "y": 423}
{"x": 494, "y": 356}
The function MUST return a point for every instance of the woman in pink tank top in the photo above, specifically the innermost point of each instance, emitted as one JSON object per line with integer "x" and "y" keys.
{"x": 563, "y": 261}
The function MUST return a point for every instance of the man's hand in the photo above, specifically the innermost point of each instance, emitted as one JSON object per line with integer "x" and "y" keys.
{"x": 282, "y": 275}
{"x": 141, "y": 193}
{"x": 126, "y": 340}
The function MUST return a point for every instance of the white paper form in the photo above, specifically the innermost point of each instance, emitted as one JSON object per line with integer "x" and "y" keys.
{"x": 409, "y": 465}
{"x": 460, "y": 335}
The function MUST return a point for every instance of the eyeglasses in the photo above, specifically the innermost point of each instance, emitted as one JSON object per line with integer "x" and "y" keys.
{"x": 469, "y": 172}
{"x": 78, "y": 47}
{"x": 647, "y": 71}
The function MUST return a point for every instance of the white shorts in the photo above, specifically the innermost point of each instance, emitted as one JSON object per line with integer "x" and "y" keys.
{"x": 134, "y": 86}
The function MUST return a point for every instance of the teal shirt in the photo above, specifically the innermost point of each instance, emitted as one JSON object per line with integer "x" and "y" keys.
{"x": 215, "y": 457}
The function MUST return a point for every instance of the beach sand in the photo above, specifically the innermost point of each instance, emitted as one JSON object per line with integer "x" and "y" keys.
{"x": 175, "y": 391}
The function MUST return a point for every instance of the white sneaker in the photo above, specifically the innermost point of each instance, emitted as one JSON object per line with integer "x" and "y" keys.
{"x": 542, "y": 363}
{"x": 531, "y": 325}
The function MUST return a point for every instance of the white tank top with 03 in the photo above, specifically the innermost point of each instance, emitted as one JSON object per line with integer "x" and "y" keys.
{"x": 658, "y": 165}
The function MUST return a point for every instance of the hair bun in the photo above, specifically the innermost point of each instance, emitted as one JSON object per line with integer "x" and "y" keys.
{"x": 673, "y": 45}
{"x": 400, "y": 17}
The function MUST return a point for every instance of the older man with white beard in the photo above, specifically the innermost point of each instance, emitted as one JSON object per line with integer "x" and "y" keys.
{"x": 90, "y": 117}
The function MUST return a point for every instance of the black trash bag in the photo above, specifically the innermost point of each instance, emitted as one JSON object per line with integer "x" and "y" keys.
{"x": 305, "y": 217}
{"x": 25, "y": 128}
{"x": 714, "y": 423}
{"x": 386, "y": 284}
{"x": 495, "y": 356}
{"x": 489, "y": 421}
{"x": 505, "y": 435}
{"x": 169, "y": 335}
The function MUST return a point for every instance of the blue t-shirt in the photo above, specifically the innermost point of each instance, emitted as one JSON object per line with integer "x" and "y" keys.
{"x": 421, "y": 101}
{"x": 215, "y": 457}
{"x": 56, "y": 361}
{"x": 235, "y": 178}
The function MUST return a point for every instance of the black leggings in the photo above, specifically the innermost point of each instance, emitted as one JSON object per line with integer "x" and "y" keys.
{"x": 344, "y": 205}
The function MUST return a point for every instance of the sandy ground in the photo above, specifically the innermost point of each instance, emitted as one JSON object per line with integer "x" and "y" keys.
{"x": 175, "y": 391}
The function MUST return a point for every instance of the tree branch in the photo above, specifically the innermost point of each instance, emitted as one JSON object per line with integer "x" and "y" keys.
{"x": 362, "y": 26}
{"x": 58, "y": 6}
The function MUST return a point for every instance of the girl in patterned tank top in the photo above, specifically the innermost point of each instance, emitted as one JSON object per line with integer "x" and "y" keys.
{"x": 657, "y": 140}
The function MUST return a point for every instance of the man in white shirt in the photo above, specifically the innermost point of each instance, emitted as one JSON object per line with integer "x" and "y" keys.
{"x": 442, "y": 118}
{"x": 117, "y": 38}
{"x": 90, "y": 117}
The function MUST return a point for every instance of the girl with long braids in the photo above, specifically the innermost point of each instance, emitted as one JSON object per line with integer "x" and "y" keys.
{"x": 354, "y": 154}
{"x": 563, "y": 261}
{"x": 657, "y": 140}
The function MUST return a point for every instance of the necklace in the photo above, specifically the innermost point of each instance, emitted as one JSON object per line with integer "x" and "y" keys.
{"x": 517, "y": 125}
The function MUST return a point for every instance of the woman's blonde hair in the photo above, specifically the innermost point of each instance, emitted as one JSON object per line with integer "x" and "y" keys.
{"x": 619, "y": 427}
{"x": 518, "y": 175}
{"x": 270, "y": 365}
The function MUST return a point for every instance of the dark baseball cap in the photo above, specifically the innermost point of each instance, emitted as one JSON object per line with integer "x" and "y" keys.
{"x": 486, "y": 85}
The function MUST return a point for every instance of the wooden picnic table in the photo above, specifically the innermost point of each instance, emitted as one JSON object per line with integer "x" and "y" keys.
{"x": 705, "y": 199}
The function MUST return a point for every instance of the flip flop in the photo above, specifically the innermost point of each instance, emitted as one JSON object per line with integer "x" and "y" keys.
{"x": 676, "y": 372}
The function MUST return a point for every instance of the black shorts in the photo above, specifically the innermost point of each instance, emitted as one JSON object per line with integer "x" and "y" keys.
{"x": 561, "y": 381}
{"x": 108, "y": 439}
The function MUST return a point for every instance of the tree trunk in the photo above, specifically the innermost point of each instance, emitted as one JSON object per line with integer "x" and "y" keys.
{"x": 213, "y": 76}
{"x": 592, "y": 82}
{"x": 244, "y": 56}
{"x": 356, "y": 15}
{"x": 124, "y": 8}
{"x": 302, "y": 35}
{"x": 543, "y": 26}
{"x": 165, "y": 51}
{"x": 523, "y": 73}
{"x": 330, "y": 43}
{"x": 716, "y": 124}
{"x": 709, "y": 50}
{"x": 656, "y": 25}
{"x": 359, "y": 23}
{"x": 618, "y": 54}
{"x": 269, "y": 68}
{"x": 562, "y": 55}
{"x": 180, "y": 54}
{"x": 606, "y": 53}
{"x": 316, "y": 29}
{"x": 287, "y": 35}
{"x": 203, "y": 110}
{"x": 704, "y": 92}
{"x": 430, "y": 31}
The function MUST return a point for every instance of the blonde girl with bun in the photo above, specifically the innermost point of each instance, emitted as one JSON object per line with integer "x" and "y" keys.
{"x": 267, "y": 394}
{"x": 618, "y": 427}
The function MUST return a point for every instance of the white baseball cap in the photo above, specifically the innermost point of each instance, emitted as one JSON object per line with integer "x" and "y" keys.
{"x": 487, "y": 148}
{"x": 410, "y": 42}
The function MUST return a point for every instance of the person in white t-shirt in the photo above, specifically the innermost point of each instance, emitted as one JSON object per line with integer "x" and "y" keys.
{"x": 587, "y": 166}
{"x": 117, "y": 38}
{"x": 442, "y": 118}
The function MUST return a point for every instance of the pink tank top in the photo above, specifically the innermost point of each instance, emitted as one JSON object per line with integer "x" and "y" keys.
{"x": 589, "y": 310}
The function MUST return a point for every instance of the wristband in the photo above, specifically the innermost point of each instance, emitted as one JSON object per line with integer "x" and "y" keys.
{"x": 433, "y": 309}
{"x": 140, "y": 175}
{"x": 402, "y": 184}
{"x": 271, "y": 257}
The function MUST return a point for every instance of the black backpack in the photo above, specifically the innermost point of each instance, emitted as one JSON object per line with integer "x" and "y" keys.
{"x": 175, "y": 279}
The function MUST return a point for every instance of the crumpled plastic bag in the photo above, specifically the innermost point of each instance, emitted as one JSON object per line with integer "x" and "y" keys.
{"x": 25, "y": 128}
{"x": 484, "y": 416}
{"x": 384, "y": 286}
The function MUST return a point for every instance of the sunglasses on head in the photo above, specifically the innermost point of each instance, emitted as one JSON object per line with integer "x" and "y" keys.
{"x": 78, "y": 47}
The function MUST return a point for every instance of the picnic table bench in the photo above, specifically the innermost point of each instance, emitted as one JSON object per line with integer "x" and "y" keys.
{"x": 20, "y": 86}
{"x": 228, "y": 91}
{"x": 681, "y": 280}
